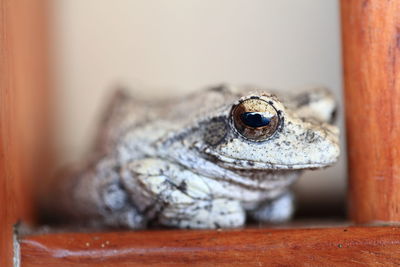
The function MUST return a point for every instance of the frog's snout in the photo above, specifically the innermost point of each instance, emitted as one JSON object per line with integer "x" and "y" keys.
{"x": 325, "y": 141}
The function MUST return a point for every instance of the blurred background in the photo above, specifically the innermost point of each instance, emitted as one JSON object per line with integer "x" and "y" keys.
{"x": 170, "y": 48}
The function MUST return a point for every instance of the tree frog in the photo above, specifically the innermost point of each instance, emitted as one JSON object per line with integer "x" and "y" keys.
{"x": 207, "y": 160}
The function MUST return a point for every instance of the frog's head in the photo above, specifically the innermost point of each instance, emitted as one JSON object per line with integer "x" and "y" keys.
{"x": 258, "y": 131}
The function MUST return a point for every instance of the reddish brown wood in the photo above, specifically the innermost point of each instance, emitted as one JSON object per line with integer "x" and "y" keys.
{"x": 23, "y": 98}
{"x": 371, "y": 54}
{"x": 353, "y": 246}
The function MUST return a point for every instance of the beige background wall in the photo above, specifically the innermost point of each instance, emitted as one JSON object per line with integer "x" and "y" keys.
{"x": 171, "y": 47}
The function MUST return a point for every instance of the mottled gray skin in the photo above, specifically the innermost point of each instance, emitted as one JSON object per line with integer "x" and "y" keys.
{"x": 182, "y": 163}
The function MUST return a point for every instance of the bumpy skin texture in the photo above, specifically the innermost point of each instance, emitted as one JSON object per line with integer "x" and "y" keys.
{"x": 182, "y": 163}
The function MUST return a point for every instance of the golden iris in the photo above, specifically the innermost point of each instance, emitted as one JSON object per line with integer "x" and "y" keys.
{"x": 255, "y": 119}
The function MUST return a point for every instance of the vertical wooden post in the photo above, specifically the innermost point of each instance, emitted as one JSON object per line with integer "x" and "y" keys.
{"x": 23, "y": 114}
{"x": 371, "y": 54}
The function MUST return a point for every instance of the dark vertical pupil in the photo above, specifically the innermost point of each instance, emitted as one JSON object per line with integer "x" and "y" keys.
{"x": 254, "y": 119}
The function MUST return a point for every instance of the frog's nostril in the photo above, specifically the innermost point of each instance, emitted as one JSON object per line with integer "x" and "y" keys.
{"x": 334, "y": 115}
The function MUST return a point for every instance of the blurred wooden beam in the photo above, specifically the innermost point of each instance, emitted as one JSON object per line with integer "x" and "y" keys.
{"x": 23, "y": 113}
{"x": 371, "y": 58}
{"x": 339, "y": 246}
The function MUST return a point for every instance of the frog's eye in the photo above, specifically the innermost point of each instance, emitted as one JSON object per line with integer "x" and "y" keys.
{"x": 255, "y": 119}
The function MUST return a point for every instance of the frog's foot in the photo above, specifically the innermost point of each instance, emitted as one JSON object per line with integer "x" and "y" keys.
{"x": 275, "y": 211}
{"x": 174, "y": 196}
{"x": 117, "y": 210}
{"x": 207, "y": 214}
{"x": 96, "y": 197}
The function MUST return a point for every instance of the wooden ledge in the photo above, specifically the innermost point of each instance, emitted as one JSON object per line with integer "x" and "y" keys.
{"x": 338, "y": 246}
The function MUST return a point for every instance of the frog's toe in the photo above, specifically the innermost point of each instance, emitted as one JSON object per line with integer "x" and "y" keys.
{"x": 130, "y": 218}
{"x": 275, "y": 211}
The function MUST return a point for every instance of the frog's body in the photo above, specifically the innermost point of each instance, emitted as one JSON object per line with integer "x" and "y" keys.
{"x": 189, "y": 164}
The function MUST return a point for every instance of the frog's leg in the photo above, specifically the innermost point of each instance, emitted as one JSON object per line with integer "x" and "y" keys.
{"x": 175, "y": 196}
{"x": 97, "y": 197}
{"x": 275, "y": 211}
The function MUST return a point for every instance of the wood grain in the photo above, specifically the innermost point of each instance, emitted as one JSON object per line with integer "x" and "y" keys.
{"x": 371, "y": 57}
{"x": 352, "y": 246}
{"x": 23, "y": 98}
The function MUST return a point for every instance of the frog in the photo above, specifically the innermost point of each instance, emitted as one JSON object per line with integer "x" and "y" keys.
{"x": 215, "y": 158}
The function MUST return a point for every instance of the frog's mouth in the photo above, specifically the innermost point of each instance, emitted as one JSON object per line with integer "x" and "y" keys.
{"x": 243, "y": 164}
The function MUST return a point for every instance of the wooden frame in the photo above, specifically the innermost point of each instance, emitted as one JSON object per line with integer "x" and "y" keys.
{"x": 24, "y": 132}
{"x": 371, "y": 49}
{"x": 371, "y": 53}
{"x": 339, "y": 246}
